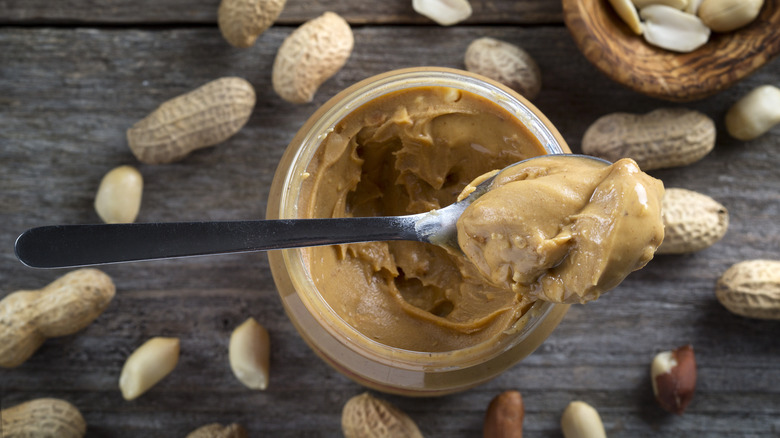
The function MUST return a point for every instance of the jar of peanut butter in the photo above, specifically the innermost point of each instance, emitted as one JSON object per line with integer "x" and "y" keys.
{"x": 408, "y": 318}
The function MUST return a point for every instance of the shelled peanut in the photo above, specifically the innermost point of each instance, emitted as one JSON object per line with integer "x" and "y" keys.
{"x": 685, "y": 25}
{"x": 504, "y": 416}
{"x": 147, "y": 365}
{"x": 249, "y": 354}
{"x": 673, "y": 377}
{"x": 673, "y": 29}
{"x": 581, "y": 420}
{"x": 443, "y": 12}
{"x": 755, "y": 113}
{"x": 728, "y": 15}
{"x": 67, "y": 305}
{"x": 118, "y": 198}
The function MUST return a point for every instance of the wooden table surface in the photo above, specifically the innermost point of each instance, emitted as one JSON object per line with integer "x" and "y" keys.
{"x": 74, "y": 75}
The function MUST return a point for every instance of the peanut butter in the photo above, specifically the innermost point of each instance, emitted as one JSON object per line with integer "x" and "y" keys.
{"x": 563, "y": 229}
{"x": 409, "y": 152}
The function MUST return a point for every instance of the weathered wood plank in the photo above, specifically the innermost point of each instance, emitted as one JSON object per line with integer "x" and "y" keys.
{"x": 66, "y": 98}
{"x": 295, "y": 12}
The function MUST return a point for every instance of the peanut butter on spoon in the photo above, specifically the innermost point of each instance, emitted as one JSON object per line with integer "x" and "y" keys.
{"x": 563, "y": 229}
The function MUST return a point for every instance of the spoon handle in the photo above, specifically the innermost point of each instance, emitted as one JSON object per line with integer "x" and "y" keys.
{"x": 61, "y": 246}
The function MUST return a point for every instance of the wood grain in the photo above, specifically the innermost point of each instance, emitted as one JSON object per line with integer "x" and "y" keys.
{"x": 625, "y": 57}
{"x": 146, "y": 12}
{"x": 67, "y": 95}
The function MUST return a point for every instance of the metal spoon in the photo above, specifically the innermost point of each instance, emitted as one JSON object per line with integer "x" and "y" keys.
{"x": 61, "y": 246}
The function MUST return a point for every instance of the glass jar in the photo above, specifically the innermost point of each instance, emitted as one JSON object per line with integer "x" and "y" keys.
{"x": 370, "y": 363}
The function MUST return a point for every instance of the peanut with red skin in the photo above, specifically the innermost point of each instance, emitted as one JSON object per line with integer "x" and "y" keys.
{"x": 504, "y": 416}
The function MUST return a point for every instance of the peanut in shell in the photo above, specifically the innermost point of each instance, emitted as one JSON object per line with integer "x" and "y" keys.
{"x": 666, "y": 137}
{"x": 203, "y": 117}
{"x": 42, "y": 417}
{"x": 692, "y": 221}
{"x": 751, "y": 288}
{"x": 242, "y": 21}
{"x": 311, "y": 55}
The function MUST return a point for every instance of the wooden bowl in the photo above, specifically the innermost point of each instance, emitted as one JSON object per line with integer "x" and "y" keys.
{"x": 608, "y": 43}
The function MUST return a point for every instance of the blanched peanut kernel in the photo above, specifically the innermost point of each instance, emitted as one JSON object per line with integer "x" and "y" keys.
{"x": 728, "y": 15}
{"x": 755, "y": 113}
{"x": 627, "y": 11}
{"x": 444, "y": 12}
{"x": 581, "y": 420}
{"x": 693, "y": 6}
{"x": 118, "y": 198}
{"x": 673, "y": 29}
{"x": 677, "y": 4}
{"x": 249, "y": 354}
{"x": 152, "y": 361}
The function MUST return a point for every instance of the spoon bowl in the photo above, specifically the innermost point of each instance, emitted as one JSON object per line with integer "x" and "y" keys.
{"x": 60, "y": 246}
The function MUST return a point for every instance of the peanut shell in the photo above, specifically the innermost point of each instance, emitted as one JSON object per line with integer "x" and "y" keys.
{"x": 692, "y": 221}
{"x": 505, "y": 63}
{"x": 311, "y": 55}
{"x": 203, "y": 117}
{"x": 751, "y": 288}
{"x": 216, "y": 430}
{"x": 242, "y": 21}
{"x": 667, "y": 137}
{"x": 364, "y": 416}
{"x": 43, "y": 417}
{"x": 67, "y": 305}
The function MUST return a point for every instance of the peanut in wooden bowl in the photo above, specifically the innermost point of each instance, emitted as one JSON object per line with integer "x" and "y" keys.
{"x": 608, "y": 43}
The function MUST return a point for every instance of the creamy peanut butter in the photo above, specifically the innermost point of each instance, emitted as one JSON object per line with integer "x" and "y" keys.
{"x": 410, "y": 152}
{"x": 563, "y": 229}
